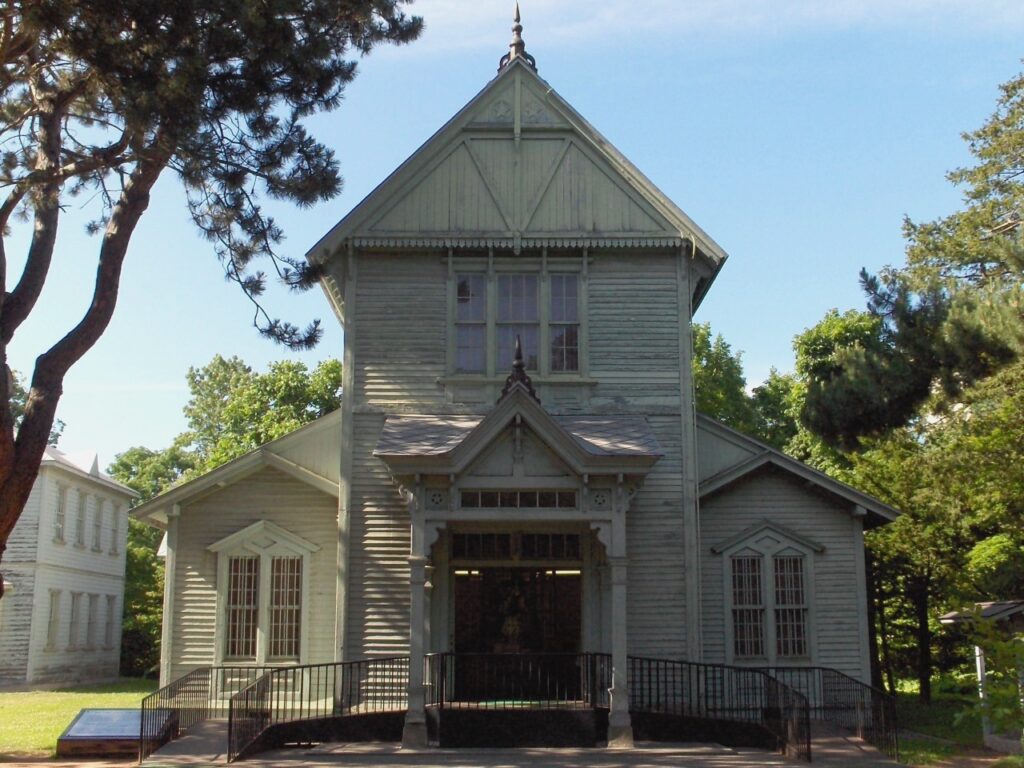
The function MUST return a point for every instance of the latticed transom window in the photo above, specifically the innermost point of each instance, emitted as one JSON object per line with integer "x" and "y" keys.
{"x": 285, "y": 607}
{"x": 790, "y": 606}
{"x": 242, "y": 607}
{"x": 471, "y": 324}
{"x": 564, "y": 323}
{"x": 747, "y": 606}
{"x": 517, "y": 316}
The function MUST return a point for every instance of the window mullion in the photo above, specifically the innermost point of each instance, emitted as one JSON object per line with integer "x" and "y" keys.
{"x": 768, "y": 598}
{"x": 491, "y": 312}
{"x": 544, "y": 316}
{"x": 263, "y": 610}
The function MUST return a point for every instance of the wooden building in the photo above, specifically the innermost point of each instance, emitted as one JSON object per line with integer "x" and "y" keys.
{"x": 60, "y": 619}
{"x": 517, "y": 466}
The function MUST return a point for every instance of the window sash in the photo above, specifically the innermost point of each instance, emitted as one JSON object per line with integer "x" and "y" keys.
{"x": 75, "y": 620}
{"x": 108, "y": 633}
{"x": 53, "y": 619}
{"x": 115, "y": 529}
{"x": 91, "y": 619}
{"x": 285, "y": 607}
{"x": 60, "y": 516}
{"x": 748, "y": 607}
{"x": 242, "y": 606}
{"x": 80, "y": 522}
{"x": 790, "y": 606}
{"x": 97, "y": 526}
{"x": 471, "y": 323}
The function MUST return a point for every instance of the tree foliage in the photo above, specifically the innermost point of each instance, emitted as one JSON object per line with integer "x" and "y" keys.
{"x": 953, "y": 314}
{"x": 102, "y": 98}
{"x": 718, "y": 381}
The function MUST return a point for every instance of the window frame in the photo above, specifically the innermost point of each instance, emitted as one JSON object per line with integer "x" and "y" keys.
{"x": 544, "y": 268}
{"x": 97, "y": 523}
{"x": 266, "y": 541}
{"x": 60, "y": 513}
{"x": 769, "y": 543}
{"x": 80, "y": 518}
{"x": 53, "y": 620}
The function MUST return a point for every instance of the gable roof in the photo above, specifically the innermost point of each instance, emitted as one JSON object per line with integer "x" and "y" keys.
{"x": 536, "y": 174}
{"x": 759, "y": 455}
{"x": 999, "y": 610}
{"x": 285, "y": 454}
{"x": 83, "y": 467}
{"x": 449, "y": 444}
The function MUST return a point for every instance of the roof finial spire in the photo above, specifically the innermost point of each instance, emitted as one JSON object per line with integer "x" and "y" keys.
{"x": 518, "y": 375}
{"x": 517, "y": 48}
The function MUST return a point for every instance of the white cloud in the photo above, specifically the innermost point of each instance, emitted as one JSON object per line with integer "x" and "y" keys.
{"x": 475, "y": 23}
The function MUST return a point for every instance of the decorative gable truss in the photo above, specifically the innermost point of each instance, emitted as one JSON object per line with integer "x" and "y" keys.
{"x": 519, "y": 167}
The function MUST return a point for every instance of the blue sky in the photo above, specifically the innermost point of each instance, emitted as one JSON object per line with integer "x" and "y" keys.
{"x": 797, "y": 133}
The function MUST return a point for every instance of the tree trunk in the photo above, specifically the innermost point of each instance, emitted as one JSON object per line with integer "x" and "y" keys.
{"x": 19, "y": 462}
{"x": 883, "y": 634}
{"x": 873, "y": 631}
{"x": 917, "y": 591}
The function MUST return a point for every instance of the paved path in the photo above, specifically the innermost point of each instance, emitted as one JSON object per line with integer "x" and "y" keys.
{"x": 205, "y": 747}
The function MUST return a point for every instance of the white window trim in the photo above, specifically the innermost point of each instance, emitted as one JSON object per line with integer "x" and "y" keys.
{"x": 53, "y": 620}
{"x": 542, "y": 267}
{"x": 97, "y": 523}
{"x": 60, "y": 514}
{"x": 754, "y": 540}
{"x": 80, "y": 518}
{"x": 115, "y": 529}
{"x": 265, "y": 540}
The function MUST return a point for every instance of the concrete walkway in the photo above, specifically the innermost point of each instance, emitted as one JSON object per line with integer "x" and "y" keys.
{"x": 205, "y": 747}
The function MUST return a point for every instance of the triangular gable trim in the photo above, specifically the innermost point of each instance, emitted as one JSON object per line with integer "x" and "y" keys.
{"x": 879, "y": 513}
{"x": 370, "y": 208}
{"x": 765, "y": 524}
{"x": 154, "y": 510}
{"x": 268, "y": 529}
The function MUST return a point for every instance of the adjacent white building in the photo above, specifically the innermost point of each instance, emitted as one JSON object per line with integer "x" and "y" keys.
{"x": 60, "y": 620}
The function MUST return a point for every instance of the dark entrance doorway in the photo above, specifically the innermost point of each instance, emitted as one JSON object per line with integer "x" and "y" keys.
{"x": 517, "y": 637}
{"x": 517, "y": 610}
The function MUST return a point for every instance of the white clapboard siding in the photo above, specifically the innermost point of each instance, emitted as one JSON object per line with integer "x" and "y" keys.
{"x": 400, "y": 334}
{"x": 265, "y": 495}
{"x": 23, "y": 541}
{"x": 378, "y": 597}
{"x": 16, "y": 623}
{"x": 74, "y": 659}
{"x": 782, "y": 499}
{"x": 633, "y": 315}
{"x": 654, "y": 539}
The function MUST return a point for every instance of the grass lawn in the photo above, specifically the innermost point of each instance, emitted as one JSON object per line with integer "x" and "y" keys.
{"x": 30, "y": 722}
{"x": 950, "y": 720}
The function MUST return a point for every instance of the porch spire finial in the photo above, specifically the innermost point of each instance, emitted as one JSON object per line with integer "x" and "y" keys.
{"x": 518, "y": 375}
{"x": 517, "y": 48}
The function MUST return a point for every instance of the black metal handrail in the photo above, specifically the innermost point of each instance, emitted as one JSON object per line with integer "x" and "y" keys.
{"x": 518, "y": 680}
{"x": 846, "y": 702}
{"x": 202, "y": 694}
{"x": 722, "y": 692}
{"x": 312, "y": 691}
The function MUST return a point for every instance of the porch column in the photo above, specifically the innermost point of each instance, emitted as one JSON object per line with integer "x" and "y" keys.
{"x": 620, "y": 730}
{"x": 414, "y": 734}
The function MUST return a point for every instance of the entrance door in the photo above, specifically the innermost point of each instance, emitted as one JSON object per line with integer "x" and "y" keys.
{"x": 517, "y": 610}
{"x": 517, "y": 633}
